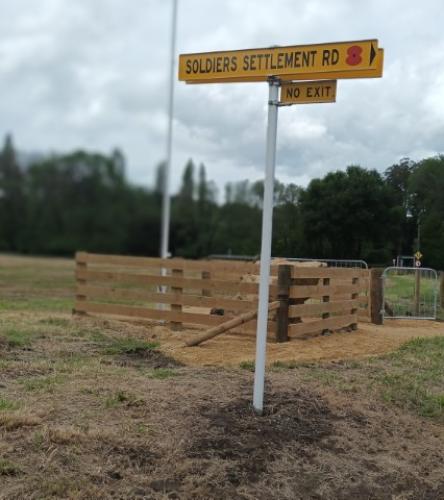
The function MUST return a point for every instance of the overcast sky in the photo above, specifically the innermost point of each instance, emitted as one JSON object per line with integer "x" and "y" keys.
{"x": 94, "y": 74}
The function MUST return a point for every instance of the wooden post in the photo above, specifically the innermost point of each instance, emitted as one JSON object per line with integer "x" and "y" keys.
{"x": 325, "y": 298}
{"x": 367, "y": 296}
{"x": 417, "y": 291}
{"x": 206, "y": 275}
{"x": 283, "y": 283}
{"x": 176, "y": 325}
{"x": 376, "y": 296}
{"x": 81, "y": 265}
{"x": 354, "y": 311}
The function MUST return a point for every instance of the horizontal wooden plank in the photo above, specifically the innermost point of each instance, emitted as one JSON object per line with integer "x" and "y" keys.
{"x": 159, "y": 315}
{"x": 112, "y": 293}
{"x": 147, "y": 313}
{"x": 362, "y": 282}
{"x": 175, "y": 263}
{"x": 348, "y": 279}
{"x": 233, "y": 266}
{"x": 297, "y": 311}
{"x": 317, "y": 291}
{"x": 328, "y": 272}
{"x": 227, "y": 274}
{"x": 190, "y": 283}
{"x": 300, "y": 329}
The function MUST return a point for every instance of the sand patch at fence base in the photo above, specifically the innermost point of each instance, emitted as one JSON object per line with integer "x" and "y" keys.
{"x": 230, "y": 350}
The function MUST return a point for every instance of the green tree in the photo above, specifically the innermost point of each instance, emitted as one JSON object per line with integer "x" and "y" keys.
{"x": 287, "y": 222}
{"x": 237, "y": 229}
{"x": 349, "y": 215}
{"x": 187, "y": 189}
{"x": 143, "y": 226}
{"x": 397, "y": 177}
{"x": 77, "y": 201}
{"x": 12, "y": 209}
{"x": 206, "y": 212}
{"x": 184, "y": 228}
{"x": 202, "y": 187}
{"x": 82, "y": 200}
{"x": 426, "y": 188}
{"x": 229, "y": 192}
{"x": 241, "y": 192}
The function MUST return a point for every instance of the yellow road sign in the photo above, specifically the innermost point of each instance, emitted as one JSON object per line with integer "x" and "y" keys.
{"x": 418, "y": 255}
{"x": 375, "y": 72}
{"x": 260, "y": 64}
{"x": 308, "y": 92}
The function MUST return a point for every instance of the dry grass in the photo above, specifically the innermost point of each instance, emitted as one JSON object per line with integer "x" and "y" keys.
{"x": 17, "y": 420}
{"x": 91, "y": 408}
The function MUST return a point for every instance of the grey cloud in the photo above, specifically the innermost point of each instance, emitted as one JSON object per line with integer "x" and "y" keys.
{"x": 94, "y": 74}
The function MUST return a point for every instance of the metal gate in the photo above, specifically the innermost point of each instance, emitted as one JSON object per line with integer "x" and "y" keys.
{"x": 410, "y": 293}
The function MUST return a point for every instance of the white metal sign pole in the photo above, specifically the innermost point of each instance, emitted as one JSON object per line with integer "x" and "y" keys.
{"x": 267, "y": 223}
{"x": 166, "y": 202}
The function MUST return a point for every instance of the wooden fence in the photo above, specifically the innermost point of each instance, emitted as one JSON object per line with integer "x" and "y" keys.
{"x": 182, "y": 292}
{"x": 324, "y": 299}
{"x": 200, "y": 294}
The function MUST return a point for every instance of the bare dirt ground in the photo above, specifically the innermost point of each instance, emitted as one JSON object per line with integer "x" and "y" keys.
{"x": 92, "y": 408}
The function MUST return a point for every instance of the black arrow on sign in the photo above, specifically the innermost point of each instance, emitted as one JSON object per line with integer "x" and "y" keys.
{"x": 372, "y": 54}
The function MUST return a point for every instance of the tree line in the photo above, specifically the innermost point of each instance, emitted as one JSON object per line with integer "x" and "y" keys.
{"x": 83, "y": 201}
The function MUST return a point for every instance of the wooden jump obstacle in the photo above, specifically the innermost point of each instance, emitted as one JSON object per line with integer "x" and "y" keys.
{"x": 312, "y": 300}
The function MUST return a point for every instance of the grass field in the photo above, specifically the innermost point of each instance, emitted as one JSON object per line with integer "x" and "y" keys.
{"x": 93, "y": 408}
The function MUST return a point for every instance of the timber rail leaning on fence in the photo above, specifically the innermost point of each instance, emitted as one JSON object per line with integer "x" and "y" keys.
{"x": 206, "y": 293}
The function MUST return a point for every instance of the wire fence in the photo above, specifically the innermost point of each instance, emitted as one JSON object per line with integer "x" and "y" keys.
{"x": 410, "y": 293}
{"x": 346, "y": 263}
